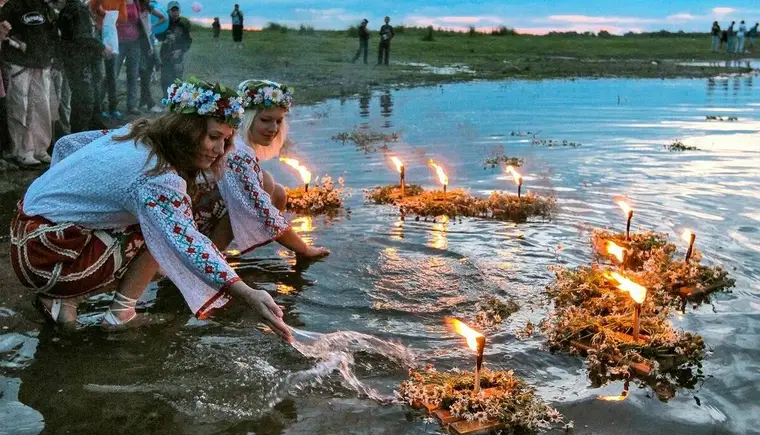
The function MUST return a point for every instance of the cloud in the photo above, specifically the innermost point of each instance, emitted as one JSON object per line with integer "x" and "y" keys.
{"x": 723, "y": 11}
{"x": 455, "y": 23}
{"x": 588, "y": 19}
{"x": 681, "y": 17}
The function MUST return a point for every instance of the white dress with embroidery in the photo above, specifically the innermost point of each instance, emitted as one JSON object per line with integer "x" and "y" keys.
{"x": 99, "y": 183}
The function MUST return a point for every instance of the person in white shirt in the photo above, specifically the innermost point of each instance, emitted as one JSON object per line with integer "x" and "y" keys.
{"x": 120, "y": 208}
{"x": 740, "y": 38}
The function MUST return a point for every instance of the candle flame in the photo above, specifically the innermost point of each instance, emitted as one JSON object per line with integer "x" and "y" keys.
{"x": 686, "y": 236}
{"x": 399, "y": 164}
{"x": 616, "y": 250}
{"x": 515, "y": 175}
{"x": 465, "y": 331}
{"x": 305, "y": 174}
{"x": 619, "y": 398}
{"x": 638, "y": 293}
{"x": 626, "y": 208}
{"x": 439, "y": 171}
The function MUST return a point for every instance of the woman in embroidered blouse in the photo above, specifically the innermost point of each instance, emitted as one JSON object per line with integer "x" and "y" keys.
{"x": 82, "y": 224}
{"x": 262, "y": 133}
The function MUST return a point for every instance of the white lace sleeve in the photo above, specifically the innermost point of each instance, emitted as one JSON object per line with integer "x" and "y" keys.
{"x": 71, "y": 143}
{"x": 188, "y": 257}
{"x": 255, "y": 220}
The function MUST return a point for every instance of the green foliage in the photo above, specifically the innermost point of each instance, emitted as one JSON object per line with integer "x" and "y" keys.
{"x": 504, "y": 31}
{"x": 305, "y": 30}
{"x": 276, "y": 27}
{"x": 429, "y": 37}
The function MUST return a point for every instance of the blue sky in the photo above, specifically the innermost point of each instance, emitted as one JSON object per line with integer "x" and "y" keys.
{"x": 527, "y": 17}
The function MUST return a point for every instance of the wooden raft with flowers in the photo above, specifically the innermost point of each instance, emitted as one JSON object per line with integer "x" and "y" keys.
{"x": 504, "y": 401}
{"x": 458, "y": 202}
{"x": 621, "y": 337}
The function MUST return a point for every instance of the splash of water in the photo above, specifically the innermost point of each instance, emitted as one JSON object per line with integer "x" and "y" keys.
{"x": 335, "y": 352}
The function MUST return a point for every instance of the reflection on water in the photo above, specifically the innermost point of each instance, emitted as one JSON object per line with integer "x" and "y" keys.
{"x": 386, "y": 107}
{"x": 392, "y": 282}
{"x": 438, "y": 233}
{"x": 364, "y": 99}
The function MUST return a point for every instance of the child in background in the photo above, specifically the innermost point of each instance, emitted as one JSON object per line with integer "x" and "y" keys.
{"x": 217, "y": 30}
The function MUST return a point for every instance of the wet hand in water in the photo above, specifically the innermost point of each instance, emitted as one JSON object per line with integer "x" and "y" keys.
{"x": 271, "y": 313}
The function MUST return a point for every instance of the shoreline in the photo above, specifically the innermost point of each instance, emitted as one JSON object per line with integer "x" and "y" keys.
{"x": 319, "y": 65}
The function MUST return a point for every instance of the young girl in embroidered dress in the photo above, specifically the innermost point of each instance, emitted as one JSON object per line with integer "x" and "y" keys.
{"x": 119, "y": 207}
{"x": 260, "y": 137}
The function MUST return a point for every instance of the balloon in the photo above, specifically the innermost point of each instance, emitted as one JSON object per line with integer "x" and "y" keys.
{"x": 196, "y": 7}
{"x": 157, "y": 30}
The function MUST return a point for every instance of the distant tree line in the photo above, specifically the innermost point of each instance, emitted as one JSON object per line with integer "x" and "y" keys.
{"x": 429, "y": 33}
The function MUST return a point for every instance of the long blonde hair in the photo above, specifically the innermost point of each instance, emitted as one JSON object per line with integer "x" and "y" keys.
{"x": 246, "y": 133}
{"x": 249, "y": 118}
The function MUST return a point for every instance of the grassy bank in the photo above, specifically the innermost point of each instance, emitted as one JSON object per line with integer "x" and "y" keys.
{"x": 319, "y": 64}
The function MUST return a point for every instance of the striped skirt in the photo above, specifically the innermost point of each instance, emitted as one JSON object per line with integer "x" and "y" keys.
{"x": 66, "y": 260}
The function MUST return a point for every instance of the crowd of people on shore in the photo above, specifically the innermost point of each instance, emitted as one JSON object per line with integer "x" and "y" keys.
{"x": 59, "y": 77}
{"x": 738, "y": 40}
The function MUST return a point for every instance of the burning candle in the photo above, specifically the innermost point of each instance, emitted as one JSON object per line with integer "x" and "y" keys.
{"x": 616, "y": 251}
{"x": 305, "y": 174}
{"x": 629, "y": 214}
{"x": 400, "y": 168}
{"x": 441, "y": 175}
{"x": 476, "y": 341}
{"x": 689, "y": 237}
{"x": 517, "y": 177}
{"x": 638, "y": 293}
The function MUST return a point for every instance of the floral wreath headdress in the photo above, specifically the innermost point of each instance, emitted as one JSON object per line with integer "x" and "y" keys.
{"x": 263, "y": 94}
{"x": 205, "y": 99}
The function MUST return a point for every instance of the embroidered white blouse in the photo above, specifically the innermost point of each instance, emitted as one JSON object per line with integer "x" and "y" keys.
{"x": 99, "y": 183}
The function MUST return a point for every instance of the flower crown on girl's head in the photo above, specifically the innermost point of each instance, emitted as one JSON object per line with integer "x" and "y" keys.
{"x": 195, "y": 96}
{"x": 264, "y": 94}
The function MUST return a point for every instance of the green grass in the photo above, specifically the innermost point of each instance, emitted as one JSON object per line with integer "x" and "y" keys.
{"x": 318, "y": 63}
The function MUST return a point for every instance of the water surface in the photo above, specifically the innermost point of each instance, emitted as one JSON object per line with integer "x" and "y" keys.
{"x": 396, "y": 281}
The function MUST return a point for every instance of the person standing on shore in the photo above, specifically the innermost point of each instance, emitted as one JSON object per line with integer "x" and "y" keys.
{"x": 731, "y": 45}
{"x": 752, "y": 34}
{"x": 175, "y": 42}
{"x": 715, "y": 37}
{"x": 80, "y": 52}
{"x": 217, "y": 30}
{"x": 237, "y": 26}
{"x": 740, "y": 38}
{"x": 28, "y": 92}
{"x": 386, "y": 35}
{"x": 5, "y": 29}
{"x": 363, "y": 41}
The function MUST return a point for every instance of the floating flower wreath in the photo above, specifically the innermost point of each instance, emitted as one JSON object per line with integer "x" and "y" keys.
{"x": 205, "y": 99}
{"x": 265, "y": 94}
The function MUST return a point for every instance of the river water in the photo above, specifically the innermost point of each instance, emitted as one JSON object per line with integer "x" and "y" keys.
{"x": 392, "y": 283}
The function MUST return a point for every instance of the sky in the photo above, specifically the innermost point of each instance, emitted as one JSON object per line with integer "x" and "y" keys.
{"x": 524, "y": 16}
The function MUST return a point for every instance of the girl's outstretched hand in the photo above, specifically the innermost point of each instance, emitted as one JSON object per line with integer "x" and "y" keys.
{"x": 265, "y": 306}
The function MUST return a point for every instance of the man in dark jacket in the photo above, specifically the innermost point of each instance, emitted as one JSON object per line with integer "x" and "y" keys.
{"x": 28, "y": 59}
{"x": 363, "y": 41}
{"x": 80, "y": 52}
{"x": 176, "y": 42}
{"x": 386, "y": 34}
